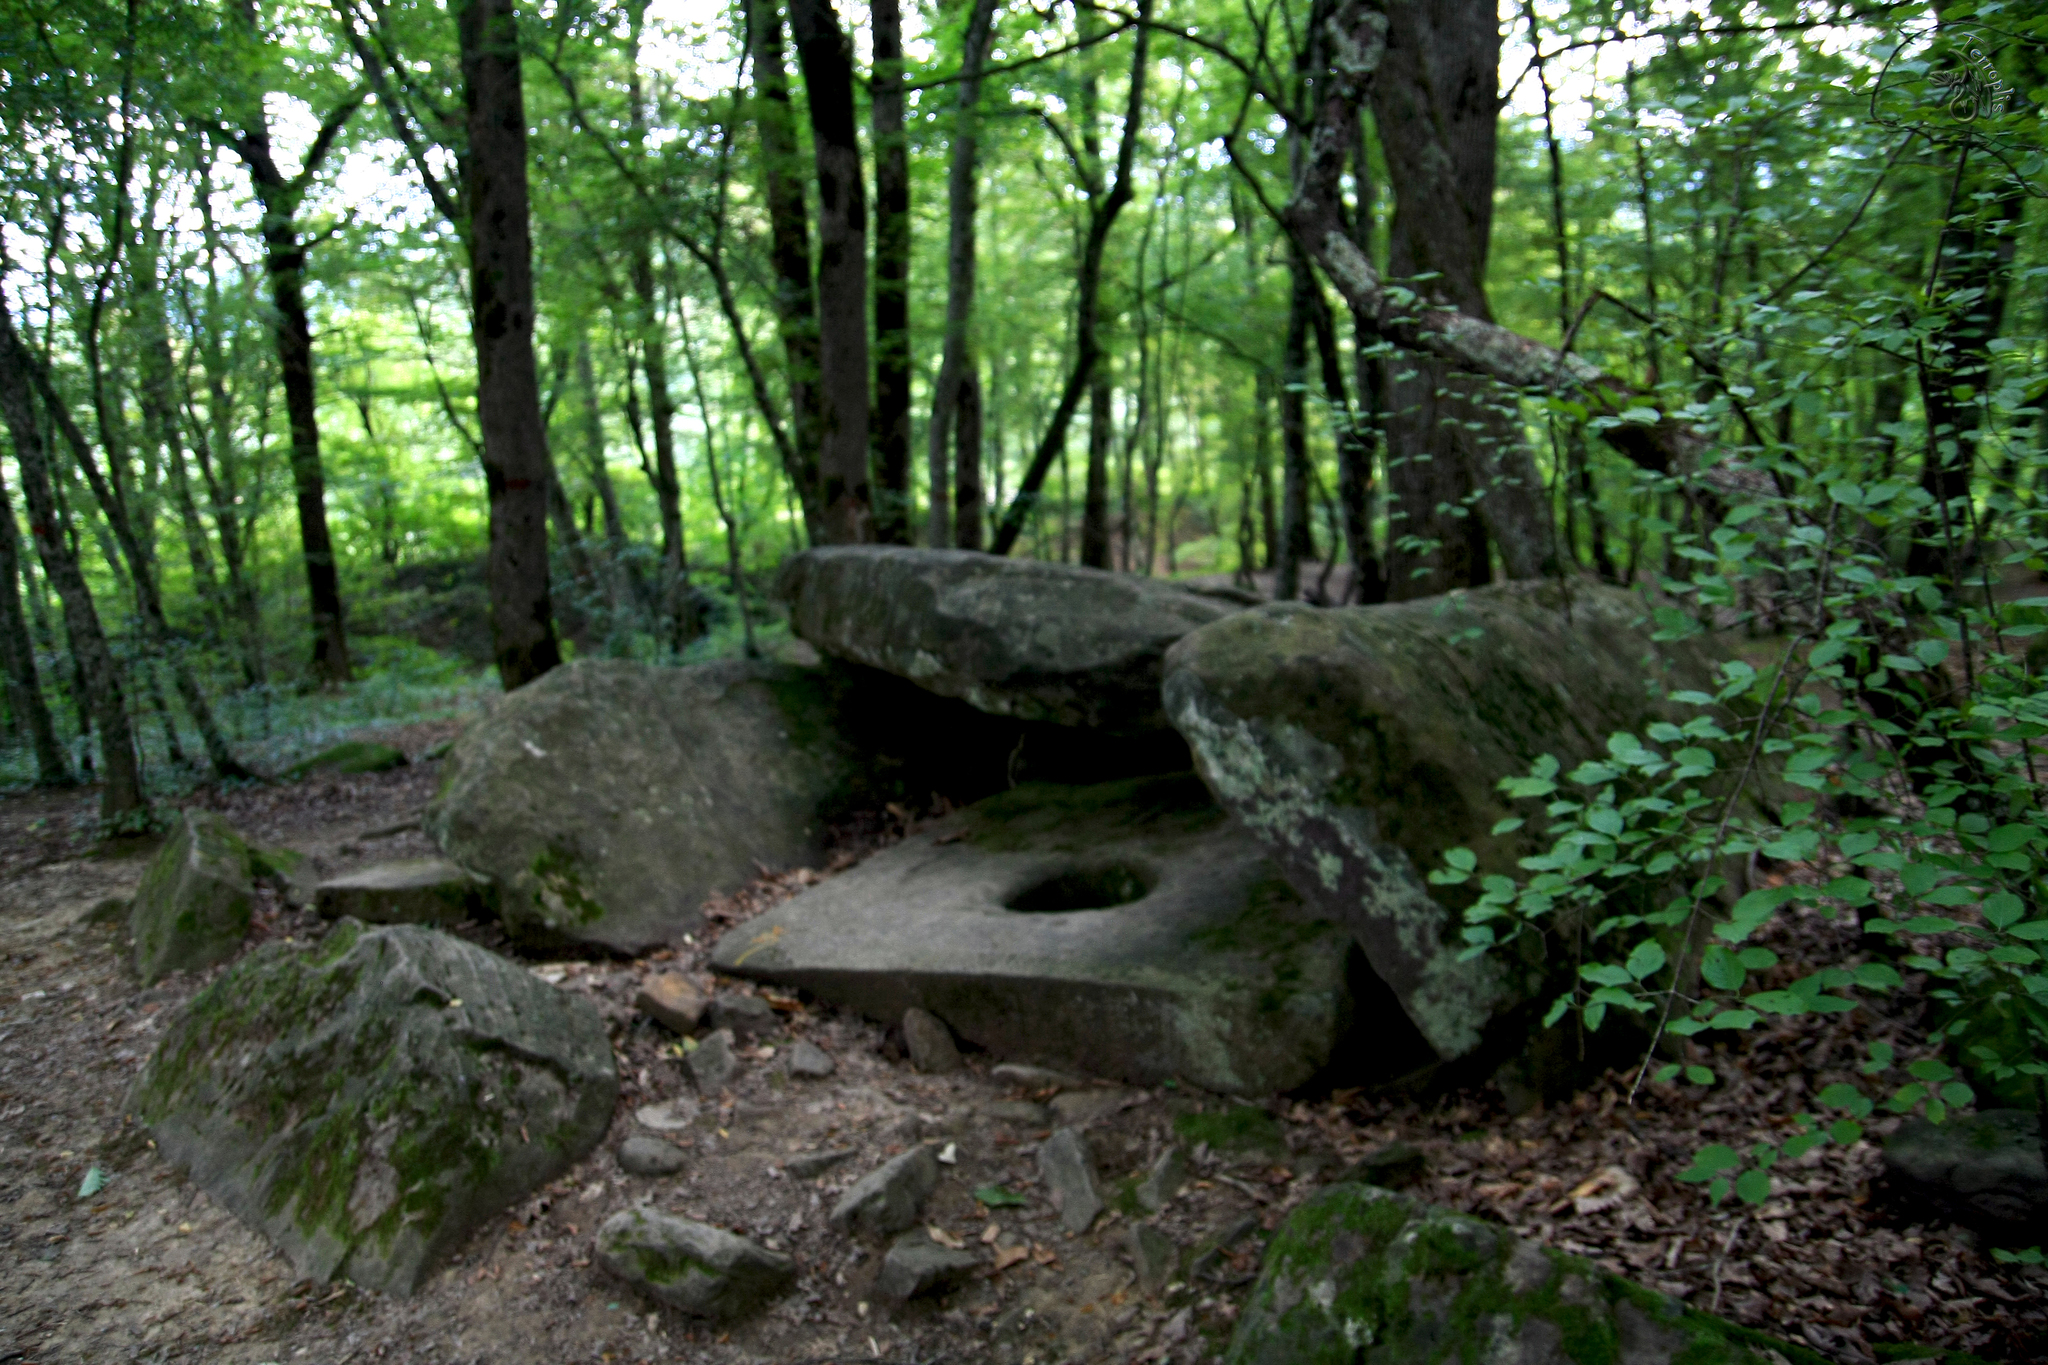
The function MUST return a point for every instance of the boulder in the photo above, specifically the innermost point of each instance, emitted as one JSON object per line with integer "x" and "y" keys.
{"x": 350, "y": 756}
{"x": 608, "y": 799}
{"x": 368, "y": 1101}
{"x": 408, "y": 891}
{"x": 1013, "y": 637}
{"x": 1982, "y": 1170}
{"x": 704, "y": 1271}
{"x": 1358, "y": 1266}
{"x": 193, "y": 906}
{"x": 1125, "y": 930}
{"x": 1359, "y": 744}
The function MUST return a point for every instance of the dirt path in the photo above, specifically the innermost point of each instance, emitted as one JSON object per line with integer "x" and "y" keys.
{"x": 149, "y": 1268}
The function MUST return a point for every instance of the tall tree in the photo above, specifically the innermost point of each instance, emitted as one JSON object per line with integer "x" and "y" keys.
{"x": 18, "y": 656}
{"x": 892, "y": 280}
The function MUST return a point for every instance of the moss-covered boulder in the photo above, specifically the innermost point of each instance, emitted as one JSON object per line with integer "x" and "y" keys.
{"x": 608, "y": 799}
{"x": 367, "y": 1102}
{"x": 193, "y": 907}
{"x": 1014, "y": 637}
{"x": 1361, "y": 1273}
{"x": 1359, "y": 744}
{"x": 350, "y": 756}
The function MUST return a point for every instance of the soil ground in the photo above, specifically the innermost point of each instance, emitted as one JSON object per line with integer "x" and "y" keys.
{"x": 148, "y": 1268}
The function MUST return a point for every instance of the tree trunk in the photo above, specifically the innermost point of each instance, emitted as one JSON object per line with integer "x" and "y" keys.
{"x": 826, "y": 57}
{"x": 1095, "y": 492}
{"x": 956, "y": 359}
{"x": 121, "y": 775}
{"x": 619, "y": 567}
{"x": 515, "y": 454}
{"x": 18, "y": 654}
{"x": 1355, "y": 432}
{"x": 967, "y": 491}
{"x": 1297, "y": 536}
{"x": 789, "y": 252}
{"x": 892, "y": 281}
{"x": 1262, "y": 454}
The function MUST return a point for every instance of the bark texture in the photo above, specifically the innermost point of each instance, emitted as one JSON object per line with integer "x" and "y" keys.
{"x": 892, "y": 281}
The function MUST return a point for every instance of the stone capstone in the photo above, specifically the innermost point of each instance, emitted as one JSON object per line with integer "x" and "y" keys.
{"x": 1127, "y": 929}
{"x": 408, "y": 891}
{"x": 888, "y": 1199}
{"x": 368, "y": 1101}
{"x": 607, "y": 799}
{"x": 1359, "y": 744}
{"x": 1066, "y": 1167}
{"x": 350, "y": 757}
{"x": 651, "y": 1156}
{"x": 915, "y": 1265}
{"x": 929, "y": 1042}
{"x": 1015, "y": 637}
{"x": 193, "y": 906}
{"x": 704, "y": 1271}
{"x": 1983, "y": 1170}
{"x": 1358, "y": 1269}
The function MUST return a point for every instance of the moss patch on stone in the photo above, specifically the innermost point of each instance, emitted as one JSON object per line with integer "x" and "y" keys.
{"x": 1240, "y": 1128}
{"x": 349, "y": 757}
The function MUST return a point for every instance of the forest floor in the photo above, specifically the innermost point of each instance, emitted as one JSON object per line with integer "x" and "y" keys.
{"x": 149, "y": 1268}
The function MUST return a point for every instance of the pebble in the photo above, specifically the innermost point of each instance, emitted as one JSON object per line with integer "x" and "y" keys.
{"x": 809, "y": 1060}
{"x": 890, "y": 1197}
{"x": 651, "y": 1156}
{"x": 713, "y": 1063}
{"x": 917, "y": 1265}
{"x": 673, "y": 999}
{"x": 929, "y": 1042}
{"x": 748, "y": 1016}
{"x": 674, "y": 1116}
{"x": 1067, "y": 1168}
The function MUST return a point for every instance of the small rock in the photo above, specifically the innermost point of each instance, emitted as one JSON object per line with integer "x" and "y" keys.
{"x": 1983, "y": 1170}
{"x": 673, "y": 999}
{"x": 702, "y": 1270}
{"x": 809, "y": 1060}
{"x": 674, "y": 1116}
{"x": 1394, "y": 1166}
{"x": 1022, "y": 1112}
{"x": 1035, "y": 1078}
{"x": 1068, "y": 1169}
{"x": 1153, "y": 1255}
{"x": 713, "y": 1063}
{"x": 748, "y": 1016}
{"x": 1163, "y": 1181}
{"x": 650, "y": 1156}
{"x": 1079, "y": 1108}
{"x": 929, "y": 1042}
{"x": 918, "y": 1265}
{"x": 888, "y": 1198}
{"x": 811, "y": 1165}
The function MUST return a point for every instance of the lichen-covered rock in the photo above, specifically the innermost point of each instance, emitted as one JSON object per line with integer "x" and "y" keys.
{"x": 1362, "y": 1273}
{"x": 609, "y": 798}
{"x": 1014, "y": 637}
{"x": 1360, "y": 744}
{"x": 192, "y": 909}
{"x": 348, "y": 757}
{"x": 367, "y": 1102}
{"x": 705, "y": 1271}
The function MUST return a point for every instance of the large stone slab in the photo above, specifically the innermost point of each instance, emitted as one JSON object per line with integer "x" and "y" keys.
{"x": 1358, "y": 1267}
{"x": 1014, "y": 637}
{"x": 1126, "y": 930}
{"x": 407, "y": 891}
{"x": 193, "y": 907}
{"x": 367, "y": 1102}
{"x": 608, "y": 798}
{"x": 1359, "y": 744}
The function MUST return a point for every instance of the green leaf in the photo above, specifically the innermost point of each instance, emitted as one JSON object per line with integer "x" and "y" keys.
{"x": 1710, "y": 1161}
{"x": 2010, "y": 838}
{"x": 1509, "y": 825}
{"x": 1845, "y": 1131}
{"x": 1647, "y": 960}
{"x": 1754, "y": 1187}
{"x": 1930, "y": 1069}
{"x": 1462, "y": 858}
{"x": 1855, "y": 890}
{"x": 1700, "y": 1075}
{"x": 1735, "y": 1019}
{"x": 1721, "y": 969}
{"x": 997, "y": 1197}
{"x": 1605, "y": 974}
{"x": 1879, "y": 976}
{"x": 2033, "y": 931}
{"x": 1666, "y": 1072}
{"x": 95, "y": 1180}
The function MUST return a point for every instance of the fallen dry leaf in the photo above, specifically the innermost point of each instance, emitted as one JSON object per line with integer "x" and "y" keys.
{"x": 944, "y": 1238}
{"x": 1009, "y": 1256}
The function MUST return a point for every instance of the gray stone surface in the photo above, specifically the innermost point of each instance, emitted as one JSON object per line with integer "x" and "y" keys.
{"x": 811, "y": 1165}
{"x": 808, "y": 1060}
{"x": 1015, "y": 637}
{"x": 672, "y": 999}
{"x": 608, "y": 799}
{"x": 1066, "y": 1167}
{"x": 1079, "y": 1108}
{"x": 368, "y": 1101}
{"x": 749, "y": 1017}
{"x": 929, "y": 1042}
{"x": 713, "y": 1063}
{"x": 704, "y": 1271}
{"x": 1153, "y": 1256}
{"x": 1393, "y": 1166}
{"x": 916, "y": 1265}
{"x": 1201, "y": 964}
{"x": 1034, "y": 1078}
{"x": 408, "y": 891}
{"x": 1357, "y": 1264}
{"x": 888, "y": 1199}
{"x": 193, "y": 906}
{"x": 1359, "y": 744}
{"x": 1167, "y": 1174}
{"x": 1017, "y": 1111}
{"x": 678, "y": 1115}
{"x": 1983, "y": 1170}
{"x": 651, "y": 1156}
{"x": 350, "y": 757}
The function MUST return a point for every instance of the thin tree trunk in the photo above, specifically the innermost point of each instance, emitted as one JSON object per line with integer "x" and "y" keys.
{"x": 1297, "y": 536}
{"x": 826, "y": 56}
{"x": 892, "y": 280}
{"x": 1262, "y": 452}
{"x": 1095, "y": 492}
{"x": 967, "y": 493}
{"x": 725, "y": 514}
{"x": 620, "y": 568}
{"x": 517, "y": 470}
{"x": 18, "y": 654}
{"x": 100, "y": 684}
{"x": 960, "y": 522}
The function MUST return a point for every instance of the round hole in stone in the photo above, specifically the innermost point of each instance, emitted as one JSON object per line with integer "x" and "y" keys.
{"x": 1084, "y": 888}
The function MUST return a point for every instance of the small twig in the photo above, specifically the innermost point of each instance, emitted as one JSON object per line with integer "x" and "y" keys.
{"x": 1719, "y": 1260}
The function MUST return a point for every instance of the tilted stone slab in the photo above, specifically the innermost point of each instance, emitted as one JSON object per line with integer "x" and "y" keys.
{"x": 367, "y": 1102}
{"x": 1360, "y": 744}
{"x": 1015, "y": 637}
{"x": 608, "y": 799}
{"x": 1204, "y": 965}
{"x": 1361, "y": 1273}
{"x": 194, "y": 905}
{"x": 408, "y": 891}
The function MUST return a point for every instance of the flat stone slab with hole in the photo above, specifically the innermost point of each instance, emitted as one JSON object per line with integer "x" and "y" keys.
{"x": 1126, "y": 930}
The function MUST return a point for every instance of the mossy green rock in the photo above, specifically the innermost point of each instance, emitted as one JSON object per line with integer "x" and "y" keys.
{"x": 367, "y": 1102}
{"x": 608, "y": 799}
{"x": 350, "y": 756}
{"x": 1013, "y": 637}
{"x": 1363, "y": 1276}
{"x": 193, "y": 907}
{"x": 1360, "y": 744}
{"x": 704, "y": 1271}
